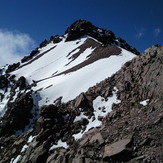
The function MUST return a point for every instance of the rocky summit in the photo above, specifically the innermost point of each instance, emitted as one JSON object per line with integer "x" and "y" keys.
{"x": 84, "y": 97}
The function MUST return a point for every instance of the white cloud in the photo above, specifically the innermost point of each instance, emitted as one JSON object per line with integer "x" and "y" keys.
{"x": 140, "y": 33}
{"x": 157, "y": 32}
{"x": 13, "y": 46}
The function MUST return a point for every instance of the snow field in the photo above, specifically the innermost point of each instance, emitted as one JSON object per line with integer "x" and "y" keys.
{"x": 72, "y": 84}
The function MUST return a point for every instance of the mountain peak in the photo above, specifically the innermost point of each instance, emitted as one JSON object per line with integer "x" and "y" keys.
{"x": 82, "y": 27}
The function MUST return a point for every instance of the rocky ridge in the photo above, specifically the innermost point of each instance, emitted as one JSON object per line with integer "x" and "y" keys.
{"x": 82, "y": 27}
{"x": 131, "y": 132}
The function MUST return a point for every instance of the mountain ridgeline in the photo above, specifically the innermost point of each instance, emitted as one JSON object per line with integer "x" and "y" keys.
{"x": 83, "y": 97}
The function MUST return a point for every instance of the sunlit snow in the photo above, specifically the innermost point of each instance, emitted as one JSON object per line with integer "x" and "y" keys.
{"x": 24, "y": 148}
{"x": 30, "y": 139}
{"x": 16, "y": 159}
{"x": 4, "y": 100}
{"x": 78, "y": 118}
{"x": 101, "y": 108}
{"x": 59, "y": 144}
{"x": 70, "y": 85}
{"x": 145, "y": 102}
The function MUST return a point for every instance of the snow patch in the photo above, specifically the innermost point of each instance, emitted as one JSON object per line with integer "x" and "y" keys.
{"x": 24, "y": 148}
{"x": 30, "y": 139}
{"x": 145, "y": 102}
{"x": 4, "y": 100}
{"x": 59, "y": 144}
{"x": 101, "y": 109}
{"x": 78, "y": 118}
{"x": 16, "y": 159}
{"x": 99, "y": 30}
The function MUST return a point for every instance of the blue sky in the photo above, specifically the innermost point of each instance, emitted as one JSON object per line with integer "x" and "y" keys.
{"x": 139, "y": 22}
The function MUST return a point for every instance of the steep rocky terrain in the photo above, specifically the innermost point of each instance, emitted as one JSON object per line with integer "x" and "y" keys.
{"x": 107, "y": 116}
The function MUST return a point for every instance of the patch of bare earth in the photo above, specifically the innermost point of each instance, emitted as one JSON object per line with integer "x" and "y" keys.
{"x": 100, "y": 52}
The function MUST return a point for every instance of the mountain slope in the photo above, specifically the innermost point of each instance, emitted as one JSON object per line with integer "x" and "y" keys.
{"x": 56, "y": 70}
{"x": 82, "y": 98}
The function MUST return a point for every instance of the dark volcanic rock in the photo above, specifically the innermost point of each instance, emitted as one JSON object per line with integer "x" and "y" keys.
{"x": 3, "y": 81}
{"x": 18, "y": 114}
{"x": 48, "y": 111}
{"x": 21, "y": 83}
{"x": 55, "y": 39}
{"x": 123, "y": 44}
{"x": 32, "y": 54}
{"x": 44, "y": 43}
{"x": 84, "y": 28}
{"x": 12, "y": 67}
{"x": 82, "y": 102}
{"x": 81, "y": 28}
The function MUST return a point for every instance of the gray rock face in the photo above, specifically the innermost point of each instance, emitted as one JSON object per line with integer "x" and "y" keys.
{"x": 143, "y": 77}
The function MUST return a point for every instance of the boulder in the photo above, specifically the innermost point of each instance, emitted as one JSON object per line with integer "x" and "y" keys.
{"x": 21, "y": 83}
{"x": 38, "y": 125}
{"x": 82, "y": 102}
{"x": 118, "y": 151}
{"x": 49, "y": 111}
{"x": 97, "y": 138}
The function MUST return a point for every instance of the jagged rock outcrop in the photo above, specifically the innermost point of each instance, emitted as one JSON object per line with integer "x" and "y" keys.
{"x": 142, "y": 78}
{"x": 55, "y": 39}
{"x": 44, "y": 43}
{"x": 32, "y": 54}
{"x": 82, "y": 28}
{"x": 17, "y": 116}
{"x": 12, "y": 67}
{"x": 20, "y": 83}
